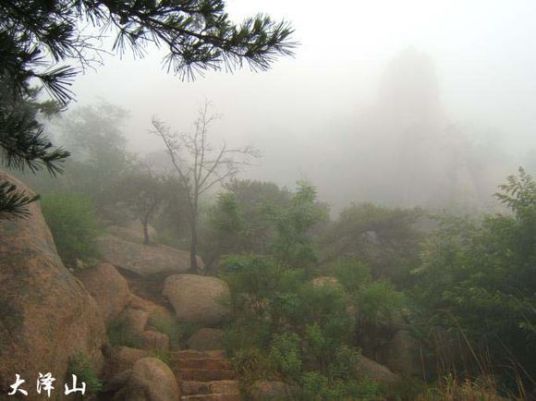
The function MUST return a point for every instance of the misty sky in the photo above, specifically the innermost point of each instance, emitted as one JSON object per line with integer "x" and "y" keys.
{"x": 305, "y": 109}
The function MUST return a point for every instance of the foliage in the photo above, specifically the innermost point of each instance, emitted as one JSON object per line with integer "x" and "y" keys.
{"x": 451, "y": 389}
{"x": 293, "y": 244}
{"x": 260, "y": 218}
{"x": 81, "y": 366}
{"x": 120, "y": 333}
{"x": 386, "y": 240}
{"x": 172, "y": 221}
{"x": 99, "y": 158}
{"x": 478, "y": 278}
{"x": 285, "y": 327}
{"x": 252, "y": 364}
{"x": 168, "y": 325}
{"x": 286, "y": 355}
{"x": 379, "y": 303}
{"x": 13, "y": 202}
{"x": 317, "y": 387}
{"x": 142, "y": 193}
{"x": 94, "y": 134}
{"x": 72, "y": 221}
{"x": 23, "y": 143}
{"x": 241, "y": 220}
{"x": 38, "y": 37}
{"x": 351, "y": 273}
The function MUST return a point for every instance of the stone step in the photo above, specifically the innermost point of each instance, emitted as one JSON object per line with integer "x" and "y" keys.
{"x": 212, "y": 397}
{"x": 219, "y": 386}
{"x": 203, "y": 363}
{"x": 192, "y": 354}
{"x": 205, "y": 375}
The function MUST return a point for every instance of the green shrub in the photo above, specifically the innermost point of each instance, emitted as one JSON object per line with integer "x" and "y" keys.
{"x": 119, "y": 333}
{"x": 80, "y": 365}
{"x": 72, "y": 221}
{"x": 245, "y": 333}
{"x": 252, "y": 364}
{"x": 351, "y": 273}
{"x": 343, "y": 363}
{"x": 286, "y": 328}
{"x": 286, "y": 355}
{"x": 379, "y": 303}
{"x": 317, "y": 387}
{"x": 164, "y": 356}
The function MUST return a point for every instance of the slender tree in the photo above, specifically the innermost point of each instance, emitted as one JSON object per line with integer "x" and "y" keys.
{"x": 142, "y": 192}
{"x": 42, "y": 45}
{"x": 199, "y": 165}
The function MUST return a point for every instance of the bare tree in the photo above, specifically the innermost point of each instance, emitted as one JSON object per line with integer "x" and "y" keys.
{"x": 199, "y": 165}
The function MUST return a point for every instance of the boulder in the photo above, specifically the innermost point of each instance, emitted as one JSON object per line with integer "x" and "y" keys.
{"x": 150, "y": 380}
{"x": 134, "y": 320}
{"x": 133, "y": 232}
{"x": 376, "y": 372}
{"x": 163, "y": 321}
{"x": 206, "y": 339}
{"x": 264, "y": 390}
{"x": 143, "y": 304}
{"x": 143, "y": 259}
{"x": 107, "y": 287}
{"x": 122, "y": 358}
{"x": 48, "y": 317}
{"x": 129, "y": 327}
{"x": 198, "y": 299}
{"x": 154, "y": 340}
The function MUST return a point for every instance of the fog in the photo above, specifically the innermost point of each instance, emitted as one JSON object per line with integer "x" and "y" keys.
{"x": 427, "y": 103}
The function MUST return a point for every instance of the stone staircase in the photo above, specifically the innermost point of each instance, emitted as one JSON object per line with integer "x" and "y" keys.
{"x": 205, "y": 376}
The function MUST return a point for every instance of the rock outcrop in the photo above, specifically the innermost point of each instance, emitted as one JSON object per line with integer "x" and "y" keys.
{"x": 143, "y": 259}
{"x": 374, "y": 371}
{"x": 47, "y": 316}
{"x": 198, "y": 299}
{"x": 108, "y": 288}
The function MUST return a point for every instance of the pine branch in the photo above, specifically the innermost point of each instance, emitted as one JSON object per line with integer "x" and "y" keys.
{"x": 14, "y": 203}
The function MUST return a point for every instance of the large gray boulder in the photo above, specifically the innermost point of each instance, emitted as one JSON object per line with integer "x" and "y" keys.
{"x": 198, "y": 299}
{"x": 143, "y": 259}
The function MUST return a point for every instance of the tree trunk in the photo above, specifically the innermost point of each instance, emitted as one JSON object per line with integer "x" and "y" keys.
{"x": 145, "y": 223}
{"x": 193, "y": 246}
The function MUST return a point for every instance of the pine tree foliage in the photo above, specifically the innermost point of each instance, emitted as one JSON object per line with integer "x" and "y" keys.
{"x": 13, "y": 203}
{"x": 42, "y": 45}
